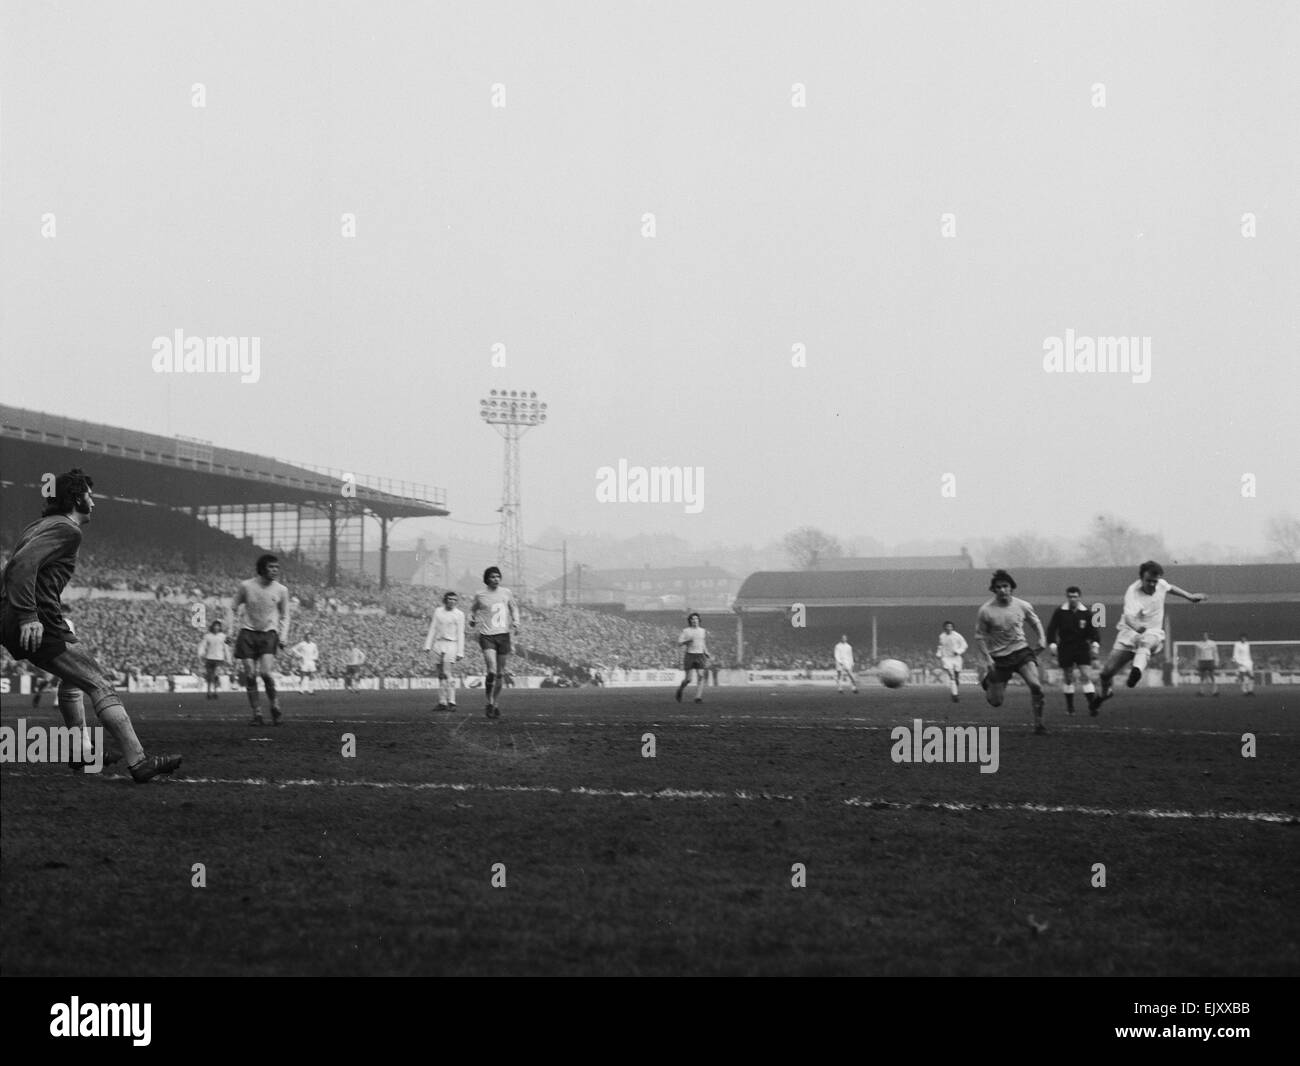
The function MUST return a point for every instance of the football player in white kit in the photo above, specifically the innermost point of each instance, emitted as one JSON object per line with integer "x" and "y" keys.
{"x": 446, "y": 640}
{"x": 307, "y": 654}
{"x": 844, "y": 665}
{"x": 1141, "y": 628}
{"x": 952, "y": 646}
{"x": 1245, "y": 664}
{"x": 215, "y": 653}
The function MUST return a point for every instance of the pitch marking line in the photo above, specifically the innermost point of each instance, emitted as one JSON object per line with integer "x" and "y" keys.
{"x": 435, "y": 786}
{"x": 673, "y": 793}
{"x": 1105, "y": 812}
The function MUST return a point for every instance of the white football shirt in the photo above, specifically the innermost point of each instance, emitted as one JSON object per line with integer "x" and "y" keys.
{"x": 1149, "y": 611}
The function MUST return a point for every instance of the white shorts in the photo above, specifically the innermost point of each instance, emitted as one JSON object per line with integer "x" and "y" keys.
{"x": 844, "y": 668}
{"x": 951, "y": 662}
{"x": 1130, "y": 640}
{"x": 305, "y": 669}
{"x": 1245, "y": 668}
{"x": 444, "y": 651}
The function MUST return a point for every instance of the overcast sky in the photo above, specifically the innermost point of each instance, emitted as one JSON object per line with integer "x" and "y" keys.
{"x": 775, "y": 225}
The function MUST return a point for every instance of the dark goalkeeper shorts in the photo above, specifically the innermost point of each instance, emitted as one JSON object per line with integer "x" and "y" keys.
{"x": 53, "y": 641}
{"x": 1005, "y": 667}
{"x": 695, "y": 661}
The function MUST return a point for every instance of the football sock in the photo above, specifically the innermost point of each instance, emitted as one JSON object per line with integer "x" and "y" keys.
{"x": 269, "y": 682}
{"x": 250, "y": 687}
{"x": 114, "y": 716}
{"x": 1088, "y": 688}
{"x": 1069, "y": 701}
{"x": 1140, "y": 659}
{"x": 71, "y": 707}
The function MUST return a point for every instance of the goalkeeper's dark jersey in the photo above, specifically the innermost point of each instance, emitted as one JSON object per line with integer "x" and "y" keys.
{"x": 1072, "y": 628}
{"x": 42, "y": 564}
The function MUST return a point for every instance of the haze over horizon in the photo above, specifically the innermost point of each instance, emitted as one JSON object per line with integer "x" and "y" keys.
{"x": 870, "y": 226}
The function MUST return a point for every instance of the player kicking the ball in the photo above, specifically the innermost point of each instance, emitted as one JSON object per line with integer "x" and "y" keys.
{"x": 32, "y": 625}
{"x": 952, "y": 646}
{"x": 495, "y": 614}
{"x": 1141, "y": 628}
{"x": 446, "y": 640}
{"x": 1000, "y": 635}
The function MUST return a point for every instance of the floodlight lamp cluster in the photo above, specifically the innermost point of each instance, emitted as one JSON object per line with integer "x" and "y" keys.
{"x": 512, "y": 407}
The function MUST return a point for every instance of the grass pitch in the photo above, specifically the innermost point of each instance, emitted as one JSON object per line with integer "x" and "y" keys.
{"x": 684, "y": 863}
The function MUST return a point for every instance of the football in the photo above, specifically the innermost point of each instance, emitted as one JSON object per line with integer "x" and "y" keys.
{"x": 893, "y": 673}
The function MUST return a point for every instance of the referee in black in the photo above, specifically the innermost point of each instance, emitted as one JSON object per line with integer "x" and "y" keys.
{"x": 1074, "y": 640}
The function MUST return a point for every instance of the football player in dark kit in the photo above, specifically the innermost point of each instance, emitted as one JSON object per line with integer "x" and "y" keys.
{"x": 1074, "y": 640}
{"x": 32, "y": 625}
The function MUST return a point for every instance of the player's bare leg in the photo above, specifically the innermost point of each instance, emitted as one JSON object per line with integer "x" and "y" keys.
{"x": 686, "y": 680}
{"x": 490, "y": 684}
{"x": 1119, "y": 658}
{"x": 498, "y": 685}
{"x": 248, "y": 678}
{"x": 953, "y": 685}
{"x": 994, "y": 690}
{"x": 266, "y": 670}
{"x": 699, "y": 685}
{"x": 1030, "y": 674}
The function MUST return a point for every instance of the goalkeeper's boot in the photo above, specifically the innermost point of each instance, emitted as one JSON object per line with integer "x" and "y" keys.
{"x": 1134, "y": 676}
{"x": 153, "y": 765}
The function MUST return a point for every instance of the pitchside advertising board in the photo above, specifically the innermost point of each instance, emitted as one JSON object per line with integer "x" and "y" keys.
{"x": 619, "y": 679}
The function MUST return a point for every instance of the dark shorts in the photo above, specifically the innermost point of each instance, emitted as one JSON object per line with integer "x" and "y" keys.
{"x": 1206, "y": 667}
{"x": 498, "y": 642}
{"x": 1070, "y": 657}
{"x": 253, "y": 645}
{"x": 210, "y": 667}
{"x": 53, "y": 642}
{"x": 1005, "y": 667}
{"x": 352, "y": 670}
{"x": 695, "y": 661}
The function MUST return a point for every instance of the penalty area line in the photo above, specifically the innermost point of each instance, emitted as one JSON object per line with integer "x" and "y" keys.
{"x": 1105, "y": 812}
{"x": 441, "y": 786}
